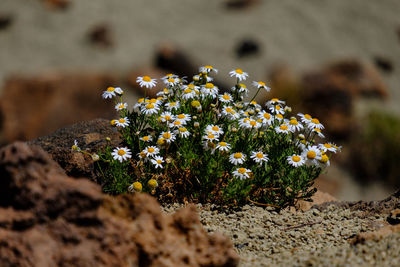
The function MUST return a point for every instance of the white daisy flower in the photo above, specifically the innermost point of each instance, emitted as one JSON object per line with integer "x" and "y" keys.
{"x": 182, "y": 132}
{"x": 183, "y": 117}
{"x": 151, "y": 151}
{"x": 312, "y": 154}
{"x": 109, "y": 93}
{"x": 305, "y": 118}
{"x": 237, "y": 158}
{"x": 278, "y": 117}
{"x": 188, "y": 94}
{"x": 239, "y": 74}
{"x": 318, "y": 132}
{"x": 146, "y": 138}
{"x": 225, "y": 98}
{"x": 228, "y": 111}
{"x": 294, "y": 125}
{"x": 248, "y": 123}
{"x": 296, "y": 160}
{"x": 314, "y": 123}
{"x": 210, "y": 137}
{"x": 157, "y": 162}
{"x": 169, "y": 75}
{"x": 274, "y": 101}
{"x": 138, "y": 104}
{"x": 209, "y": 89}
{"x": 166, "y": 116}
{"x": 277, "y": 109}
{"x": 173, "y": 105}
{"x": 75, "y": 146}
{"x": 121, "y": 106}
{"x": 208, "y": 69}
{"x": 242, "y": 173}
{"x": 146, "y": 81}
{"x": 253, "y": 104}
{"x": 164, "y": 92}
{"x": 121, "y": 153}
{"x": 265, "y": 117}
{"x": 223, "y": 146}
{"x": 150, "y": 109}
{"x": 214, "y": 129}
{"x": 192, "y": 87}
{"x": 168, "y": 136}
{"x": 259, "y": 157}
{"x": 324, "y": 160}
{"x": 283, "y": 128}
{"x": 172, "y": 81}
{"x": 241, "y": 88}
{"x": 328, "y": 147}
{"x": 122, "y": 122}
{"x": 118, "y": 90}
{"x": 261, "y": 85}
{"x": 177, "y": 124}
{"x": 142, "y": 155}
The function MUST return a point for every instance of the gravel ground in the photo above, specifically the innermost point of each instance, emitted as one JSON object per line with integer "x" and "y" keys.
{"x": 265, "y": 237}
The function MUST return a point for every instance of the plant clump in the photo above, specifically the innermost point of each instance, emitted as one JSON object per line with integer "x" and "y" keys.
{"x": 195, "y": 142}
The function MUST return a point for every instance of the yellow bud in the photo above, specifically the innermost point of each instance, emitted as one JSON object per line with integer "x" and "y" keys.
{"x": 152, "y": 184}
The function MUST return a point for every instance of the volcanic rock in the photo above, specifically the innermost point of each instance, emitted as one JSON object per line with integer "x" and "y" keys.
{"x": 91, "y": 137}
{"x": 33, "y": 107}
{"x": 50, "y": 219}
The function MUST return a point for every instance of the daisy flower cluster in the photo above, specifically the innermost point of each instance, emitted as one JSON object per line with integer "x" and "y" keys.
{"x": 200, "y": 142}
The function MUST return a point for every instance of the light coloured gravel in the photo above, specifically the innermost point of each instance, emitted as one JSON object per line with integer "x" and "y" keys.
{"x": 265, "y": 237}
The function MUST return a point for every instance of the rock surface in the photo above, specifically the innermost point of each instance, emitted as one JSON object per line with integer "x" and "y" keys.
{"x": 91, "y": 137}
{"x": 49, "y": 219}
{"x": 36, "y": 106}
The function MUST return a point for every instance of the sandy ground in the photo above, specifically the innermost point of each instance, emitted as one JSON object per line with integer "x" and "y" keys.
{"x": 304, "y": 34}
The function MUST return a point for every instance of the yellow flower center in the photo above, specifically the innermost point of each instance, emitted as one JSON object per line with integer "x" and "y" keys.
{"x": 274, "y": 100}
{"x": 153, "y": 101}
{"x": 182, "y": 129}
{"x": 121, "y": 106}
{"x": 140, "y": 100}
{"x": 296, "y": 158}
{"x": 110, "y": 89}
{"x": 315, "y": 121}
{"x": 327, "y": 145}
{"x": 311, "y": 154}
{"x": 253, "y": 102}
{"x": 181, "y": 116}
{"x": 226, "y": 97}
{"x": 209, "y": 86}
{"x": 149, "y": 106}
{"x": 187, "y": 91}
{"x": 241, "y": 170}
{"x": 122, "y": 120}
{"x": 167, "y": 117}
{"x": 324, "y": 158}
{"x": 222, "y": 144}
{"x": 259, "y": 155}
{"x": 151, "y": 150}
{"x": 160, "y": 141}
{"x": 238, "y": 155}
{"x": 215, "y": 128}
{"x": 172, "y": 104}
{"x": 261, "y": 83}
{"x": 283, "y": 127}
{"x": 211, "y": 136}
{"x": 195, "y": 104}
{"x": 142, "y": 154}
{"x": 308, "y": 117}
{"x": 121, "y": 152}
{"x": 152, "y": 183}
{"x": 159, "y": 161}
{"x": 277, "y": 107}
{"x": 167, "y": 135}
{"x": 267, "y": 116}
{"x": 253, "y": 123}
{"x": 171, "y": 80}
{"x": 191, "y": 86}
{"x": 246, "y": 120}
{"x": 137, "y": 186}
{"x": 166, "y": 90}
{"x": 228, "y": 109}
{"x": 113, "y": 122}
{"x": 146, "y": 78}
{"x": 293, "y": 122}
{"x": 242, "y": 85}
{"x": 146, "y": 138}
{"x": 176, "y": 123}
{"x": 260, "y": 120}
{"x": 279, "y": 116}
{"x": 208, "y": 67}
{"x": 317, "y": 130}
{"x": 239, "y": 71}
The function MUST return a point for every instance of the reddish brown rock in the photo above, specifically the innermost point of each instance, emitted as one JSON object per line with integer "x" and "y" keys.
{"x": 33, "y": 107}
{"x": 49, "y": 219}
{"x": 318, "y": 198}
{"x": 91, "y": 137}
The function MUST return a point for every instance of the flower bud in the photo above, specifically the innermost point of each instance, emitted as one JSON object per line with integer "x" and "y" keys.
{"x": 113, "y": 122}
{"x": 135, "y": 187}
{"x": 234, "y": 130}
{"x": 196, "y": 124}
{"x": 152, "y": 184}
{"x": 108, "y": 139}
{"x": 95, "y": 157}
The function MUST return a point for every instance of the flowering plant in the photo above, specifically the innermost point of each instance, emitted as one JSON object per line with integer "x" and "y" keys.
{"x": 195, "y": 142}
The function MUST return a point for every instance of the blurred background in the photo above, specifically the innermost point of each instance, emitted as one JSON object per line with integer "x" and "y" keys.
{"x": 337, "y": 60}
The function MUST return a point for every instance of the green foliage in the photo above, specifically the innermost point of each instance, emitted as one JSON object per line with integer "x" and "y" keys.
{"x": 203, "y": 145}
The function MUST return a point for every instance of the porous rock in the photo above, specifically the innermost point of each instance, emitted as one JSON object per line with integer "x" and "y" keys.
{"x": 50, "y": 219}
{"x": 91, "y": 137}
